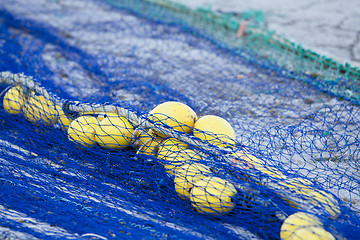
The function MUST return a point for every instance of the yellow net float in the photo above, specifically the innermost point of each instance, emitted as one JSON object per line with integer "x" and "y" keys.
{"x": 322, "y": 199}
{"x": 315, "y": 197}
{"x": 170, "y": 145}
{"x": 173, "y": 161}
{"x": 14, "y": 100}
{"x": 311, "y": 233}
{"x": 37, "y": 108}
{"x": 82, "y": 130}
{"x": 187, "y": 175}
{"x": 303, "y": 225}
{"x": 114, "y": 132}
{"x": 213, "y": 195}
{"x": 215, "y": 130}
{"x": 285, "y": 185}
{"x": 177, "y": 115}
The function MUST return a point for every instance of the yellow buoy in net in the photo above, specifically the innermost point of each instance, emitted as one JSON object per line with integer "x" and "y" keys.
{"x": 300, "y": 186}
{"x": 174, "y": 160}
{"x": 296, "y": 221}
{"x": 215, "y": 130}
{"x": 38, "y": 108}
{"x": 170, "y": 145}
{"x": 317, "y": 198}
{"x": 294, "y": 224}
{"x": 311, "y": 233}
{"x": 296, "y": 184}
{"x": 177, "y": 115}
{"x": 64, "y": 121}
{"x": 147, "y": 143}
{"x": 13, "y": 101}
{"x": 114, "y": 132}
{"x": 187, "y": 175}
{"x": 82, "y": 130}
{"x": 213, "y": 195}
{"x": 323, "y": 200}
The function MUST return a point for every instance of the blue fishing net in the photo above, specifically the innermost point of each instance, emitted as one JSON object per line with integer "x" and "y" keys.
{"x": 77, "y": 69}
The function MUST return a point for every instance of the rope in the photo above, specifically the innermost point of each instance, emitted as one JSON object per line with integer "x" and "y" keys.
{"x": 75, "y": 106}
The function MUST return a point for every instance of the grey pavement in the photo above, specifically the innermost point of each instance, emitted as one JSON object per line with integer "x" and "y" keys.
{"x": 330, "y": 27}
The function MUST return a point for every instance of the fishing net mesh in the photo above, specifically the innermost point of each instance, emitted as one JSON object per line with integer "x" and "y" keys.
{"x": 150, "y": 120}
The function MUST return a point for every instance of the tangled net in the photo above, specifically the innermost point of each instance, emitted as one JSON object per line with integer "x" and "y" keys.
{"x": 124, "y": 120}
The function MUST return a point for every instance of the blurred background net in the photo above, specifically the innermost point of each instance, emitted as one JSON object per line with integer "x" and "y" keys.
{"x": 295, "y": 115}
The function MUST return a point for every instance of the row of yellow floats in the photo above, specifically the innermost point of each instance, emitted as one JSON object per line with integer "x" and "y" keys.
{"x": 193, "y": 181}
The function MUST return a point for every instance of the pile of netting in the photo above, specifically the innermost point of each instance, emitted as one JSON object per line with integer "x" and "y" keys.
{"x": 148, "y": 120}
